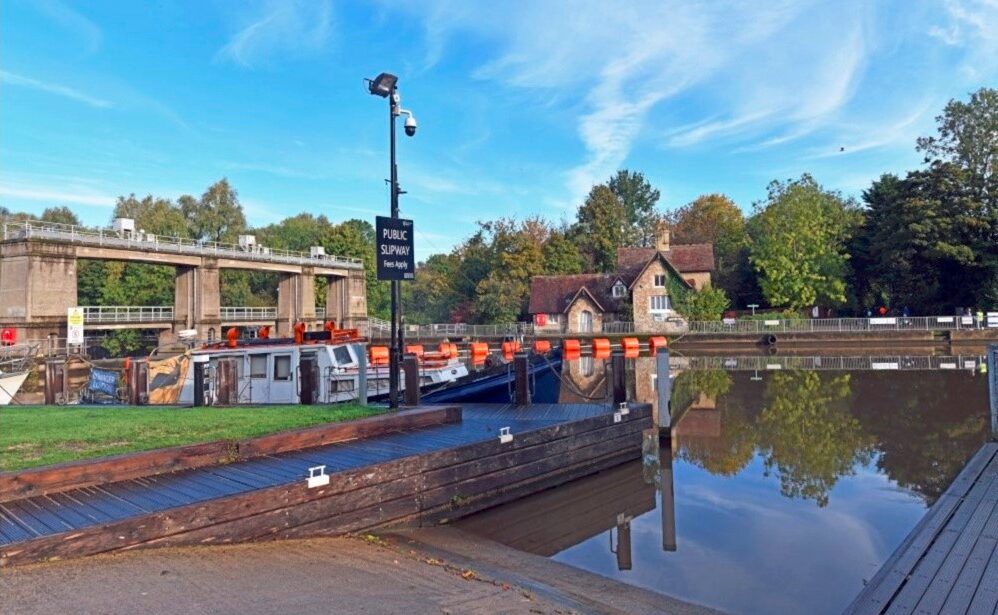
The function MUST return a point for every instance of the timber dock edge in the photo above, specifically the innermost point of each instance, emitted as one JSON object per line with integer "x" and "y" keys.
{"x": 949, "y": 562}
{"x": 409, "y": 490}
{"x": 49, "y": 479}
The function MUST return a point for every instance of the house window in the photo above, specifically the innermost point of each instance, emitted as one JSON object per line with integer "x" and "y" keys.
{"x": 619, "y": 290}
{"x": 554, "y": 319}
{"x": 660, "y": 303}
{"x": 282, "y": 367}
{"x": 258, "y": 366}
{"x": 659, "y": 281}
{"x": 585, "y": 321}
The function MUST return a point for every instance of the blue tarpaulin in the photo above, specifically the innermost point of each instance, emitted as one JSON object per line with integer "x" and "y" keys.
{"x": 103, "y": 381}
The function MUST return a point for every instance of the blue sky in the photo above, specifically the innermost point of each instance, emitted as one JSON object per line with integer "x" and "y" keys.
{"x": 522, "y": 106}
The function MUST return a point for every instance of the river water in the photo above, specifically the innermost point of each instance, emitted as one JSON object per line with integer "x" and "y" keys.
{"x": 783, "y": 490}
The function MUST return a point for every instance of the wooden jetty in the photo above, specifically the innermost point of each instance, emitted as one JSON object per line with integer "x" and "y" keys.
{"x": 949, "y": 562}
{"x": 423, "y": 471}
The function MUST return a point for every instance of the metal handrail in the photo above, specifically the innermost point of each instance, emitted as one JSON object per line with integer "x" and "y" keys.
{"x": 837, "y": 325}
{"x": 106, "y": 314}
{"x": 247, "y": 313}
{"x": 102, "y": 237}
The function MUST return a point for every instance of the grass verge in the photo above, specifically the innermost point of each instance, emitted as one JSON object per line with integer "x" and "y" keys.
{"x": 43, "y": 435}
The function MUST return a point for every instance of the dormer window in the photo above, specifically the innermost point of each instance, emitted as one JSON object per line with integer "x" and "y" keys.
{"x": 659, "y": 281}
{"x": 619, "y": 290}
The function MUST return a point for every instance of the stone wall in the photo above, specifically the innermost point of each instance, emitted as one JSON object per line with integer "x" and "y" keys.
{"x": 573, "y": 315}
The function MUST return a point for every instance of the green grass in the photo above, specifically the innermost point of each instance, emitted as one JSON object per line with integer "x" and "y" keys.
{"x": 43, "y": 435}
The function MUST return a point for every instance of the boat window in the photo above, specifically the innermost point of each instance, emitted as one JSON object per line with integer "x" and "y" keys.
{"x": 258, "y": 366}
{"x": 282, "y": 367}
{"x": 342, "y": 355}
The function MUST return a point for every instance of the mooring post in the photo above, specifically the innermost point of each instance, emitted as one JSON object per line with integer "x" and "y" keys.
{"x": 361, "y": 353}
{"x": 664, "y": 385}
{"x": 133, "y": 383}
{"x": 668, "y": 498}
{"x": 199, "y": 364}
{"x": 619, "y": 377}
{"x": 992, "y": 362}
{"x": 410, "y": 365}
{"x": 521, "y": 375}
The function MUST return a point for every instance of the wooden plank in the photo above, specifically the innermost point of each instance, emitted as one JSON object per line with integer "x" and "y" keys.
{"x": 965, "y": 587}
{"x": 896, "y": 570}
{"x": 72, "y": 475}
{"x": 985, "y": 601}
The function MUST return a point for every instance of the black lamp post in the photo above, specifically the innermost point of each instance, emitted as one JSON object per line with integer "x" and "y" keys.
{"x": 384, "y": 85}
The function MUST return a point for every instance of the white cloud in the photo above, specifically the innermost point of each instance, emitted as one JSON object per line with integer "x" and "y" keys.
{"x": 52, "y": 88}
{"x": 973, "y": 25}
{"x": 72, "y": 21}
{"x": 282, "y": 27}
{"x": 56, "y": 196}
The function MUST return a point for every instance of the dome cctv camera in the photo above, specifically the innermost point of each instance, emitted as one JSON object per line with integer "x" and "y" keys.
{"x": 410, "y": 126}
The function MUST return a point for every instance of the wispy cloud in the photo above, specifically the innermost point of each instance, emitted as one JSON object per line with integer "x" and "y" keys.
{"x": 281, "y": 27}
{"x": 14, "y": 79}
{"x": 55, "y": 195}
{"x": 71, "y": 21}
{"x": 973, "y": 25}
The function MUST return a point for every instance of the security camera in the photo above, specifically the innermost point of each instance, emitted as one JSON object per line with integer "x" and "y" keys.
{"x": 410, "y": 126}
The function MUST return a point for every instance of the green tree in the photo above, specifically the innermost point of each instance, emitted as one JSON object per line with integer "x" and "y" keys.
{"x": 561, "y": 255}
{"x": 968, "y": 136}
{"x": 216, "y": 216}
{"x": 60, "y": 215}
{"x": 708, "y": 303}
{"x": 639, "y": 199}
{"x": 152, "y": 214}
{"x": 600, "y": 228}
{"x": 798, "y": 243}
{"x": 717, "y": 220}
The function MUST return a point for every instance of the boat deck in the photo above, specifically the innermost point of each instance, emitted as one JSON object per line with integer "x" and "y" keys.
{"x": 34, "y": 517}
{"x": 949, "y": 562}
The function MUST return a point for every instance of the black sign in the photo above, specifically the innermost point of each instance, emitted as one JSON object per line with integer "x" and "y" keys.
{"x": 394, "y": 249}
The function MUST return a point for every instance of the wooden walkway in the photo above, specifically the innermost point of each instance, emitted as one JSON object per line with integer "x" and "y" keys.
{"x": 73, "y": 510}
{"x": 949, "y": 562}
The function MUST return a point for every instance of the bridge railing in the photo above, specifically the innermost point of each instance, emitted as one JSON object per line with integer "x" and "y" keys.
{"x": 230, "y": 313}
{"x": 834, "y": 325}
{"x": 110, "y": 314}
{"x": 110, "y": 238}
{"x": 832, "y": 363}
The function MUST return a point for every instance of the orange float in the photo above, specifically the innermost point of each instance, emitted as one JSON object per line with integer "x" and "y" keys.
{"x": 654, "y": 343}
{"x": 571, "y": 349}
{"x": 601, "y": 348}
{"x": 378, "y": 355}
{"x": 631, "y": 347}
{"x": 479, "y": 350}
{"x": 416, "y": 349}
{"x": 542, "y": 346}
{"x": 232, "y": 335}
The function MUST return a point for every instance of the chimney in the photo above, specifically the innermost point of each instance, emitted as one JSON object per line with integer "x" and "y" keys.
{"x": 662, "y": 238}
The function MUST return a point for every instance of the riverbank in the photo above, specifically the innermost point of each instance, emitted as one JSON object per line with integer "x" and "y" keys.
{"x": 431, "y": 570}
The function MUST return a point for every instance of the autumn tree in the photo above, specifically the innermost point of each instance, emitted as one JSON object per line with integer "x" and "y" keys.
{"x": 798, "y": 238}
{"x": 967, "y": 135}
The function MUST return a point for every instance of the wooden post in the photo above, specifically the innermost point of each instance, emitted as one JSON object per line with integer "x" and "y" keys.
{"x": 664, "y": 388}
{"x": 668, "y": 499}
{"x": 993, "y": 387}
{"x": 619, "y": 378}
{"x": 133, "y": 383}
{"x": 410, "y": 365}
{"x": 199, "y": 383}
{"x": 521, "y": 373}
{"x": 55, "y": 381}
{"x": 623, "y": 542}
{"x": 361, "y": 354}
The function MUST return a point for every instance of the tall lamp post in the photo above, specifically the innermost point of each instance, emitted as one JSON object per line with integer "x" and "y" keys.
{"x": 385, "y": 86}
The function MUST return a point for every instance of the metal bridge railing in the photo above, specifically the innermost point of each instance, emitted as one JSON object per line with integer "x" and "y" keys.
{"x": 102, "y": 237}
{"x": 110, "y": 314}
{"x": 837, "y": 325}
{"x": 833, "y": 363}
{"x": 229, "y": 313}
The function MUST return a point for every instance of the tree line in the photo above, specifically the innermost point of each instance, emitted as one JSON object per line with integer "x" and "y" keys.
{"x": 925, "y": 242}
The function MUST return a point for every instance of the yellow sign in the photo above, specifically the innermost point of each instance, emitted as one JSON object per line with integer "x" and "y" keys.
{"x": 74, "y": 325}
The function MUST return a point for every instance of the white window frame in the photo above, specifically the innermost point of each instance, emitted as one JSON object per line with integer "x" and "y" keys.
{"x": 619, "y": 286}
{"x": 281, "y": 357}
{"x": 659, "y": 310}
{"x": 659, "y": 277}
{"x": 262, "y": 373}
{"x": 554, "y": 319}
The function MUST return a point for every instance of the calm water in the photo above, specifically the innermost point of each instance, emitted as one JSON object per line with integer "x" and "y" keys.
{"x": 788, "y": 488}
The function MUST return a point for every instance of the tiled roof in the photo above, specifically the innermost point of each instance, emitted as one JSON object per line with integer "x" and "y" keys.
{"x": 686, "y": 258}
{"x": 552, "y": 294}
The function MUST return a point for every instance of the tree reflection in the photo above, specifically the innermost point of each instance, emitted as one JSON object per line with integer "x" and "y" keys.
{"x": 732, "y": 450}
{"x": 807, "y": 434}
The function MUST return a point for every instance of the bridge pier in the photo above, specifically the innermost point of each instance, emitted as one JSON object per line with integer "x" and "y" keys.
{"x": 346, "y": 300}
{"x": 197, "y": 299}
{"x": 295, "y": 300}
{"x": 37, "y": 285}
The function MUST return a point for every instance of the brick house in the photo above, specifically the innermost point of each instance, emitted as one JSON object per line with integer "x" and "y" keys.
{"x": 637, "y": 291}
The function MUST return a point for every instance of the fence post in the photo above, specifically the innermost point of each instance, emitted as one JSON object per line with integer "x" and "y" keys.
{"x": 410, "y": 365}
{"x": 361, "y": 373}
{"x": 618, "y": 377}
{"x": 521, "y": 371}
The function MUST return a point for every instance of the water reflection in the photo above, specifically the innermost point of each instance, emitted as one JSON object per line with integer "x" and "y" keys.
{"x": 776, "y": 492}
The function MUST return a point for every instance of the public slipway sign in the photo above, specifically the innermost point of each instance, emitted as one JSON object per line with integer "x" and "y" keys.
{"x": 394, "y": 251}
{"x": 74, "y": 325}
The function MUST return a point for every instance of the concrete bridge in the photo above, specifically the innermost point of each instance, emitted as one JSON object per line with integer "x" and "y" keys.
{"x": 38, "y": 267}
